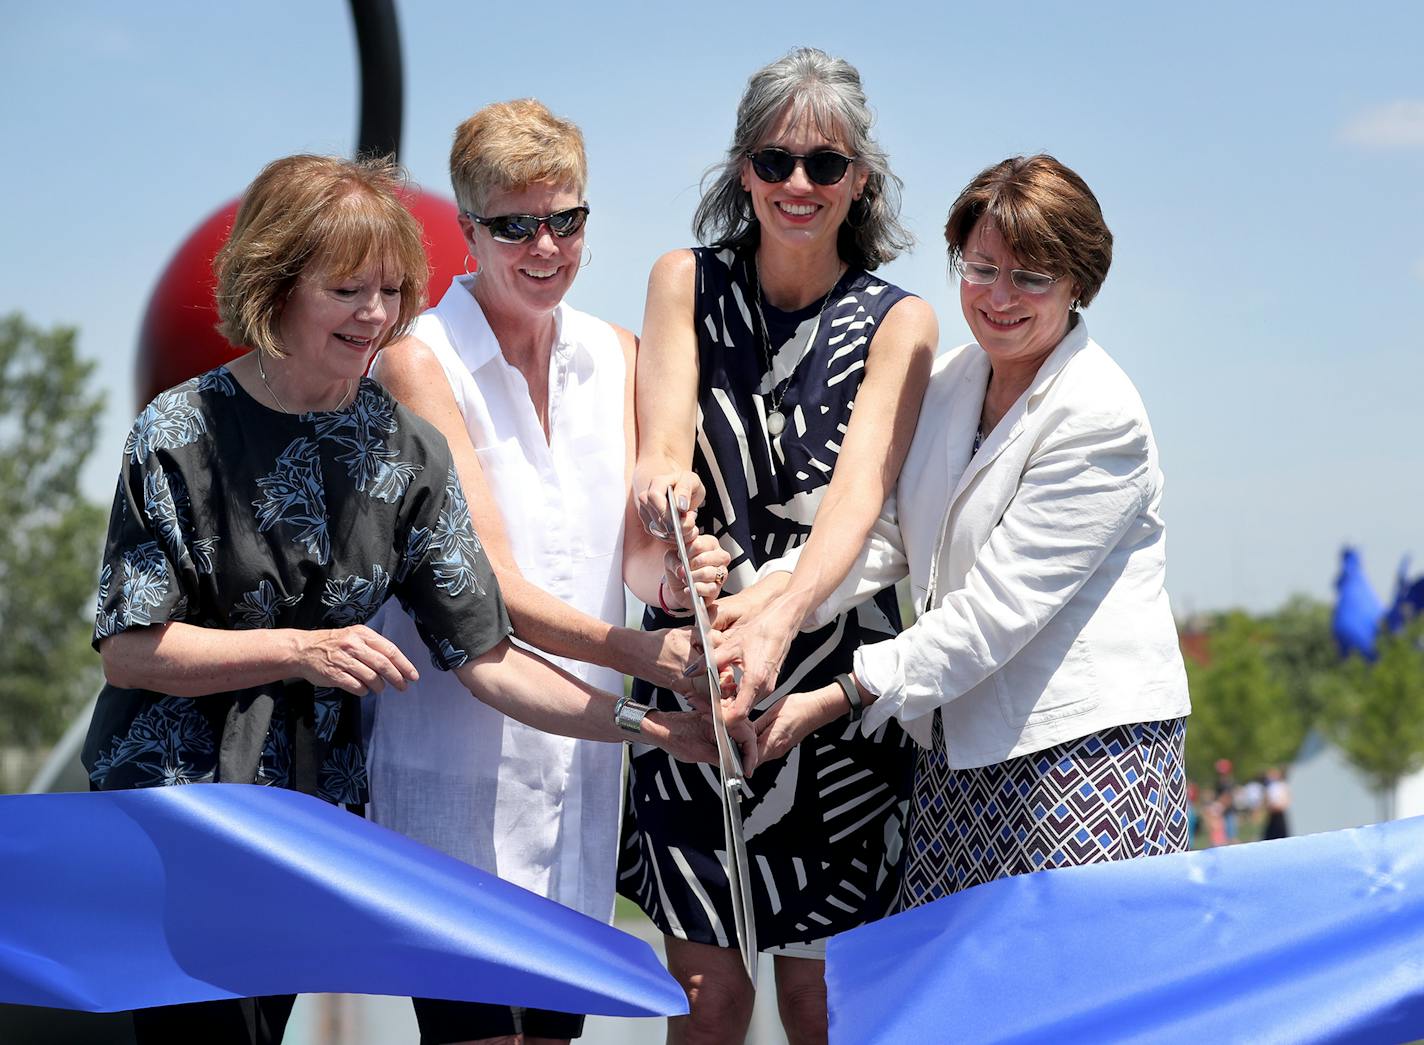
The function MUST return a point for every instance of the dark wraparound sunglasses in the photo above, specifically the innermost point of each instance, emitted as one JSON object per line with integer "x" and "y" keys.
{"x": 521, "y": 228}
{"x": 824, "y": 166}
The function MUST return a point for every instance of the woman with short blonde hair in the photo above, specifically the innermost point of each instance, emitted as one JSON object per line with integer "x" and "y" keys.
{"x": 536, "y": 400}
{"x": 511, "y": 144}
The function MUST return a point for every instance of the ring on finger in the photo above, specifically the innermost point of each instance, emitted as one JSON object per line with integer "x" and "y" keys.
{"x": 721, "y": 574}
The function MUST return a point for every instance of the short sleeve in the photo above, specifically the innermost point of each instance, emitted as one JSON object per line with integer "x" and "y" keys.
{"x": 444, "y": 579}
{"x": 139, "y": 582}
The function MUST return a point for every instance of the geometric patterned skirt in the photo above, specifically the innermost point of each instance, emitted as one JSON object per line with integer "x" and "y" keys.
{"x": 1112, "y": 795}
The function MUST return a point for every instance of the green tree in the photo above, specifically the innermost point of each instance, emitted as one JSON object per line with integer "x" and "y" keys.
{"x": 1376, "y": 716}
{"x": 1240, "y": 708}
{"x": 1303, "y": 655}
{"x": 50, "y": 535}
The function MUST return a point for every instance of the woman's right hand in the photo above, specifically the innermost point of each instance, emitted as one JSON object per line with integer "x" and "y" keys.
{"x": 355, "y": 659}
{"x": 652, "y": 505}
{"x": 757, "y": 645}
{"x": 685, "y": 735}
{"x": 663, "y": 656}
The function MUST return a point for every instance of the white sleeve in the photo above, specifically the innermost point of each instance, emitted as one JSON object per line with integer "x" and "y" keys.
{"x": 1079, "y": 493}
{"x": 880, "y": 564}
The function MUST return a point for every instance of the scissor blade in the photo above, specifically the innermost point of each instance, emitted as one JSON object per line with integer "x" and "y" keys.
{"x": 726, "y": 750}
{"x": 739, "y": 878}
{"x": 729, "y": 767}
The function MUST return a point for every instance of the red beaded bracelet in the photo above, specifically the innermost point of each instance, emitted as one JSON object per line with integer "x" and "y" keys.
{"x": 669, "y": 610}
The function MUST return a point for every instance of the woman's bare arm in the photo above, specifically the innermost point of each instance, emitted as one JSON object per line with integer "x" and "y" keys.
{"x": 667, "y": 394}
{"x": 187, "y": 661}
{"x": 415, "y": 377}
{"x": 528, "y": 688}
{"x": 887, "y": 406}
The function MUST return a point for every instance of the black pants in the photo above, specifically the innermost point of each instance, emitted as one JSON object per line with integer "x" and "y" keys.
{"x": 235, "y": 1021}
{"x": 446, "y": 1021}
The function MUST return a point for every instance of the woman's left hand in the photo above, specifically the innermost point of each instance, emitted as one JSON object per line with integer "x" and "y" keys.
{"x": 791, "y": 719}
{"x": 652, "y": 505}
{"x": 709, "y": 572}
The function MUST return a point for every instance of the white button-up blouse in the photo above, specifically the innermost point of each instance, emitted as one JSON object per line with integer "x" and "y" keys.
{"x": 536, "y": 809}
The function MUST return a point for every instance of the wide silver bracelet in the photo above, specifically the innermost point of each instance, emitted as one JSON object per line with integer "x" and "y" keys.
{"x": 628, "y": 715}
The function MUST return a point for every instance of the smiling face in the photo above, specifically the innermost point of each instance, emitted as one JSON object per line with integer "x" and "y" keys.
{"x": 530, "y": 278}
{"x": 797, "y": 211}
{"x": 1010, "y": 325}
{"x": 332, "y": 324}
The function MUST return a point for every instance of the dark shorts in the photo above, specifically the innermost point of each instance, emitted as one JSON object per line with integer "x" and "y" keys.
{"x": 232, "y": 1021}
{"x": 442, "y": 1022}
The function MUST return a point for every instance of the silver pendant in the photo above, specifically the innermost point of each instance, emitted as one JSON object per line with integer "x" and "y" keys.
{"x": 775, "y": 423}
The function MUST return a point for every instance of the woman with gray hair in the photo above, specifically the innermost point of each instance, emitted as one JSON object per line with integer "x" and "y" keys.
{"x": 759, "y": 344}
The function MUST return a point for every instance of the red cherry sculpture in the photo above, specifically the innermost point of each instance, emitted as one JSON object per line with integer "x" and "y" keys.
{"x": 179, "y": 339}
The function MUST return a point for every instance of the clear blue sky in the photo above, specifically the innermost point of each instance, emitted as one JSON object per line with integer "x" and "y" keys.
{"x": 1261, "y": 165}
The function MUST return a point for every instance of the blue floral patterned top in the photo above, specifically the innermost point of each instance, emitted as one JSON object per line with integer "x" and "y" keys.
{"x": 230, "y": 515}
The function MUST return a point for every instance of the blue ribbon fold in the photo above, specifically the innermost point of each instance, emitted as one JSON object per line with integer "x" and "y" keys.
{"x": 129, "y": 899}
{"x": 1313, "y": 939}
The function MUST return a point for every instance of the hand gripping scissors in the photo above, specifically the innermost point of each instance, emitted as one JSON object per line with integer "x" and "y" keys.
{"x": 729, "y": 764}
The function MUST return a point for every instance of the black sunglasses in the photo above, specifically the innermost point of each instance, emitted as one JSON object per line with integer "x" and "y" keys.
{"x": 521, "y": 228}
{"x": 824, "y": 166}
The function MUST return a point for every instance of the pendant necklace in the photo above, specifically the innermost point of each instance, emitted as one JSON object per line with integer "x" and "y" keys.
{"x": 262, "y": 373}
{"x": 775, "y": 419}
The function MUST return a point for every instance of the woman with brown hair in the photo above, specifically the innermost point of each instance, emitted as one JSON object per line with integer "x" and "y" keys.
{"x": 265, "y": 512}
{"x": 1043, "y": 679}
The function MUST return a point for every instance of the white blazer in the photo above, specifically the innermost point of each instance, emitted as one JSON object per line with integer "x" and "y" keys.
{"x": 1038, "y": 565}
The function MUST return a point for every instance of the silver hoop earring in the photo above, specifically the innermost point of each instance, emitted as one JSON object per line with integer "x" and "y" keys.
{"x": 587, "y": 257}
{"x": 468, "y": 259}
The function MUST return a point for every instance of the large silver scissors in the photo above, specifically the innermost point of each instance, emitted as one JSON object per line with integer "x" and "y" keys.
{"x": 729, "y": 764}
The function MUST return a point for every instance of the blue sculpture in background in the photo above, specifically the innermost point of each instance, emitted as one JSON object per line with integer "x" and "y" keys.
{"x": 1359, "y": 614}
{"x": 1408, "y": 598}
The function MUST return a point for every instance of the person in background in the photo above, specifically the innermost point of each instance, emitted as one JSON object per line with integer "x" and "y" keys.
{"x": 1226, "y": 794}
{"x": 756, "y": 349}
{"x": 267, "y": 509}
{"x": 1278, "y": 799}
{"x": 1214, "y": 819}
{"x": 536, "y": 401}
{"x": 1043, "y": 679}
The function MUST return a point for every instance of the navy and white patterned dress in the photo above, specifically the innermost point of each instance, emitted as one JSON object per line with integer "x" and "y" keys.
{"x": 233, "y": 516}
{"x": 825, "y": 825}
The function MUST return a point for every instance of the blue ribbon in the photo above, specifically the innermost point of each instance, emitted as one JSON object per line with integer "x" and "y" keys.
{"x": 1314, "y": 939}
{"x": 176, "y": 894}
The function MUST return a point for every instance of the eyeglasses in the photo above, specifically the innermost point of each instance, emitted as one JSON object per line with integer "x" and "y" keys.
{"x": 521, "y": 228}
{"x": 982, "y": 275}
{"x": 824, "y": 166}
